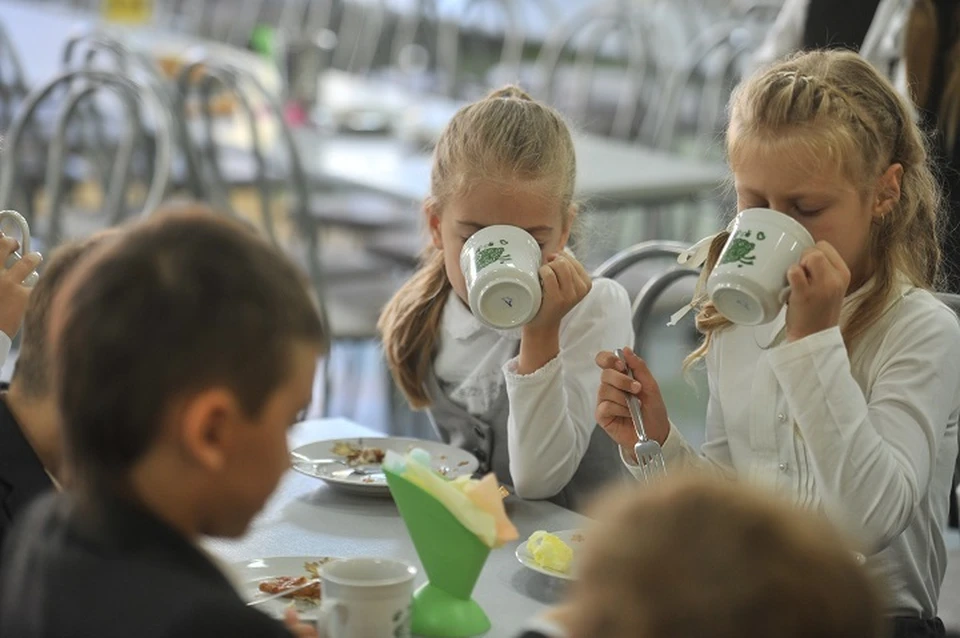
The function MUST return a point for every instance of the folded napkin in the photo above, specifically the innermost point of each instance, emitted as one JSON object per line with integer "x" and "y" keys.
{"x": 476, "y": 504}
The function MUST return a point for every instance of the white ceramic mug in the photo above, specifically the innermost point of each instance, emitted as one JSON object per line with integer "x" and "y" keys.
{"x": 748, "y": 285}
{"x": 366, "y": 598}
{"x": 19, "y": 220}
{"x": 501, "y": 267}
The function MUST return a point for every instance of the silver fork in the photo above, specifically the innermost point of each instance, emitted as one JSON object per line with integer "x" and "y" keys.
{"x": 649, "y": 455}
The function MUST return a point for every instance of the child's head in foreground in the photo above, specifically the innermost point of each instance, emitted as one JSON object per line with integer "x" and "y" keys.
{"x": 692, "y": 558}
{"x": 183, "y": 351}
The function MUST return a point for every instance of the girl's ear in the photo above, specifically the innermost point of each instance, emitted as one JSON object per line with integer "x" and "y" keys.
{"x": 888, "y": 190}
{"x": 432, "y": 213}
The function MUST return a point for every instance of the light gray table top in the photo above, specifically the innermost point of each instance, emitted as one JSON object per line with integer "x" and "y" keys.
{"x": 305, "y": 517}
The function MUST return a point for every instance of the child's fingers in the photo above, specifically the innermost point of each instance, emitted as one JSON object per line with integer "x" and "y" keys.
{"x": 20, "y": 270}
{"x": 8, "y": 245}
{"x": 833, "y": 257}
{"x": 607, "y": 360}
{"x": 548, "y": 278}
{"x": 620, "y": 382}
{"x": 640, "y": 370}
{"x": 797, "y": 279}
{"x": 608, "y": 411}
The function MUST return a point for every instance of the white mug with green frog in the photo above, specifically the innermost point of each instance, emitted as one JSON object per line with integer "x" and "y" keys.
{"x": 748, "y": 285}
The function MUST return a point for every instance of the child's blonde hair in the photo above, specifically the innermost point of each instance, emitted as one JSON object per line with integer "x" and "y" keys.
{"x": 506, "y": 138}
{"x": 838, "y": 106}
{"x": 695, "y": 558}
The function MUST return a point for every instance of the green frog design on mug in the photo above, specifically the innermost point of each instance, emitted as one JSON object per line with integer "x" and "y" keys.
{"x": 491, "y": 253}
{"x": 740, "y": 251}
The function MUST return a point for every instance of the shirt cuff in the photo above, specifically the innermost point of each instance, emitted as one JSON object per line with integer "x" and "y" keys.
{"x": 5, "y": 344}
{"x": 787, "y": 353}
{"x": 545, "y": 373}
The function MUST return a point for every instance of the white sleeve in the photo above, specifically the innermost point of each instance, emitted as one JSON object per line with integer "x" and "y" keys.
{"x": 785, "y": 36}
{"x": 5, "y": 344}
{"x": 552, "y": 409}
{"x": 679, "y": 455}
{"x": 873, "y": 456}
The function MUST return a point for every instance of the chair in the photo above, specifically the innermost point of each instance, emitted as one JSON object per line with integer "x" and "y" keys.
{"x": 451, "y": 29}
{"x": 127, "y": 133}
{"x": 713, "y": 63}
{"x": 353, "y": 282}
{"x": 361, "y": 24}
{"x": 631, "y": 268}
{"x": 13, "y": 86}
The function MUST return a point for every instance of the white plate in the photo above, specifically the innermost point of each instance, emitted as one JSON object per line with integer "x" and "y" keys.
{"x": 248, "y": 575}
{"x": 449, "y": 460}
{"x": 572, "y": 537}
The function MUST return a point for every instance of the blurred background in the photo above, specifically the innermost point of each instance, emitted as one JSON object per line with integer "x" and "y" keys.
{"x": 314, "y": 120}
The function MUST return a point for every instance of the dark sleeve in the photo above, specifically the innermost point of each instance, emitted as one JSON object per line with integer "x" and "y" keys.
{"x": 225, "y": 620}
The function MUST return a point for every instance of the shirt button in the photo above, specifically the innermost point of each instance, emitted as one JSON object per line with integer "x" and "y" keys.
{"x": 783, "y": 467}
{"x": 782, "y": 417}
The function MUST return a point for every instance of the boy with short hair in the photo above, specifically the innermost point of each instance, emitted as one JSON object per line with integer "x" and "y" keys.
{"x": 182, "y": 353}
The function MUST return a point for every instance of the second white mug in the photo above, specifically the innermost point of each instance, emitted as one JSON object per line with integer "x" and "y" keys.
{"x": 366, "y": 598}
{"x": 748, "y": 285}
{"x": 501, "y": 266}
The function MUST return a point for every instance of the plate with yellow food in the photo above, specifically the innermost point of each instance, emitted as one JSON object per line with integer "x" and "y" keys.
{"x": 553, "y": 554}
{"x": 354, "y": 465}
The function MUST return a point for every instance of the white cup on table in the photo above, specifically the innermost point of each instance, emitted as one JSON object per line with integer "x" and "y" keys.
{"x": 364, "y": 597}
{"x": 501, "y": 266}
{"x": 748, "y": 285}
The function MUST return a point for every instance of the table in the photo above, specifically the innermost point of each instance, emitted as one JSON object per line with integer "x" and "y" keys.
{"x": 609, "y": 171}
{"x": 306, "y": 517}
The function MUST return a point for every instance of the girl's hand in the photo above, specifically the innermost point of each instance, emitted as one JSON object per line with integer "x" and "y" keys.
{"x": 613, "y": 415}
{"x": 818, "y": 284}
{"x": 565, "y": 283}
{"x": 13, "y": 294}
{"x": 297, "y": 628}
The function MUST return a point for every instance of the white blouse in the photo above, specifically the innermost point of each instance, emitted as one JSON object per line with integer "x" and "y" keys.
{"x": 871, "y": 440}
{"x": 551, "y": 415}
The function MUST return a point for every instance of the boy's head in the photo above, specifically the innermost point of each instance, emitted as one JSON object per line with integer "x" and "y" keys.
{"x": 182, "y": 353}
{"x": 698, "y": 559}
{"x": 32, "y": 375}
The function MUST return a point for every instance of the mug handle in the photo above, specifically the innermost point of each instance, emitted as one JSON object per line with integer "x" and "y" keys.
{"x": 328, "y": 607}
{"x": 32, "y": 278}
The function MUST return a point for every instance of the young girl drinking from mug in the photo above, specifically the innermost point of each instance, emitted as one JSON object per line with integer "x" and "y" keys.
{"x": 848, "y": 401}
{"x": 520, "y": 400}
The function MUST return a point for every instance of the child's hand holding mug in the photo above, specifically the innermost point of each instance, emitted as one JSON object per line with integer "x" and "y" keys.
{"x": 17, "y": 275}
{"x": 565, "y": 283}
{"x": 818, "y": 284}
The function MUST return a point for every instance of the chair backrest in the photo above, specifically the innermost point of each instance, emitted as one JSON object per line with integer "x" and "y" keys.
{"x": 77, "y": 87}
{"x": 650, "y": 294}
{"x": 711, "y": 66}
{"x": 198, "y": 79}
{"x": 588, "y": 35}
{"x": 358, "y": 35}
{"x": 655, "y": 283}
{"x": 13, "y": 86}
{"x": 636, "y": 254}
